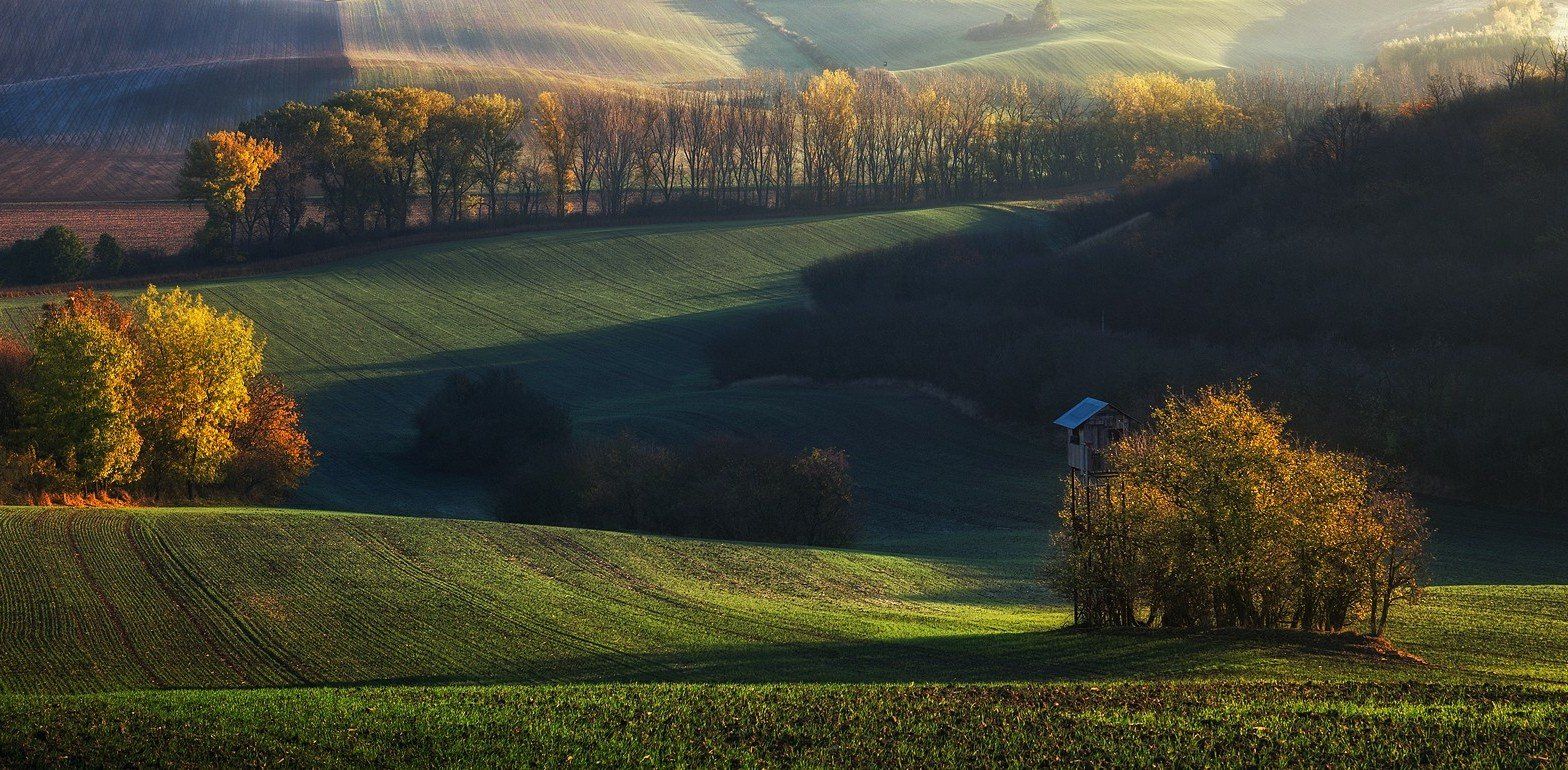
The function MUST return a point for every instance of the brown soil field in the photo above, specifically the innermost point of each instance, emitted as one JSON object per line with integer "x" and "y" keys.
{"x": 139, "y": 224}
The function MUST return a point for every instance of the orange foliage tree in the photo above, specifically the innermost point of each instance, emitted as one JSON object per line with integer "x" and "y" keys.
{"x": 168, "y": 397}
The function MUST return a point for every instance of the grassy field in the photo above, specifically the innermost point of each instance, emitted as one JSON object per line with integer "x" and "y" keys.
{"x": 965, "y": 727}
{"x": 102, "y": 600}
{"x": 614, "y": 321}
{"x": 657, "y": 42}
{"x": 97, "y": 98}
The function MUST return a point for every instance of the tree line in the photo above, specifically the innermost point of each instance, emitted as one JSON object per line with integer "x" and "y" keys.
{"x": 380, "y": 159}
{"x": 58, "y": 254}
{"x": 1216, "y": 517}
{"x": 162, "y": 400}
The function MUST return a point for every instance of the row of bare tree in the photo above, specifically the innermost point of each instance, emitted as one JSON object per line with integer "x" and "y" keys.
{"x": 768, "y": 140}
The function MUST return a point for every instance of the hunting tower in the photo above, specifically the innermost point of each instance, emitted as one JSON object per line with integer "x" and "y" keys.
{"x": 1092, "y": 427}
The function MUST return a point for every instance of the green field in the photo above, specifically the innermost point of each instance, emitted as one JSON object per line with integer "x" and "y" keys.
{"x": 96, "y": 600}
{"x": 379, "y": 627}
{"x": 406, "y": 640}
{"x": 1107, "y": 36}
{"x": 909, "y": 726}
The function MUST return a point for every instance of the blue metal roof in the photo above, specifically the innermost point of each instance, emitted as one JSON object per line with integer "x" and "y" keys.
{"x": 1081, "y": 413}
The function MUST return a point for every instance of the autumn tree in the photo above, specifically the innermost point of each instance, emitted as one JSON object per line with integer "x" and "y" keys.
{"x": 192, "y": 388}
{"x": 493, "y": 123}
{"x": 828, "y": 106}
{"x": 403, "y": 116}
{"x": 1184, "y": 116}
{"x": 158, "y": 398}
{"x": 272, "y": 454}
{"x": 221, "y": 170}
{"x": 848, "y": 138}
{"x": 348, "y": 158}
{"x": 280, "y": 204}
{"x": 588, "y": 116}
{"x": 78, "y": 405}
{"x": 1217, "y": 517}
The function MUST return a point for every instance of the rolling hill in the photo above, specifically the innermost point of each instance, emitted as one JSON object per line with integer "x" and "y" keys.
{"x": 105, "y": 600}
{"x": 98, "y": 98}
{"x": 614, "y": 322}
{"x": 321, "y": 638}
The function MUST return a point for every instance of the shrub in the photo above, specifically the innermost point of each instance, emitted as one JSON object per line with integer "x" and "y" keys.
{"x": 488, "y": 425}
{"x": 108, "y": 256}
{"x": 627, "y": 484}
{"x": 54, "y": 256}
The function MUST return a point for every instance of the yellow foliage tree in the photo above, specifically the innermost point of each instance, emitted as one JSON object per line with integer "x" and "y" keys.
{"x": 493, "y": 122}
{"x": 1180, "y": 115}
{"x": 222, "y": 169}
{"x": 1217, "y": 518}
{"x": 78, "y": 406}
{"x": 559, "y": 139}
{"x": 192, "y": 387}
{"x": 828, "y": 104}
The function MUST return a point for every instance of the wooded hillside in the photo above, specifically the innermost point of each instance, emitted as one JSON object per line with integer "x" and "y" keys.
{"x": 1393, "y": 285}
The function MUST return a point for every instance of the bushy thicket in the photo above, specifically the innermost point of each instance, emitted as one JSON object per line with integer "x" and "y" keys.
{"x": 489, "y": 424}
{"x": 165, "y": 399}
{"x": 1393, "y": 284}
{"x": 720, "y": 487}
{"x": 57, "y": 255}
{"x": 1216, "y": 516}
{"x": 495, "y": 427}
{"x": 1044, "y": 19}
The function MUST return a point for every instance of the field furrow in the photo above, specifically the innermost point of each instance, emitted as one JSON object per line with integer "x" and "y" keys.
{"x": 112, "y": 613}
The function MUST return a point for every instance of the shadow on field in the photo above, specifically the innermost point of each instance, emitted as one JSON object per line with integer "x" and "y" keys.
{"x": 933, "y": 482}
{"x": 758, "y": 48}
{"x": 927, "y": 474}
